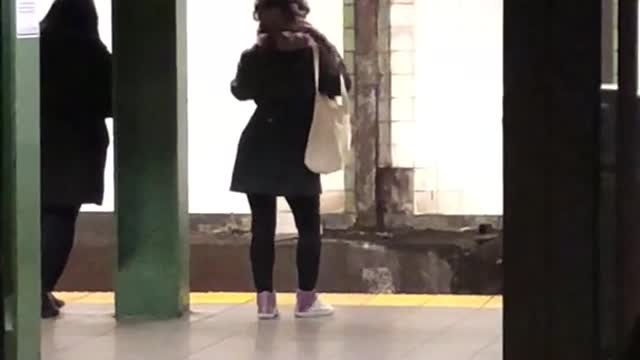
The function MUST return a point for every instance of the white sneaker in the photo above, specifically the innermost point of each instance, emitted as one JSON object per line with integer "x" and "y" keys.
{"x": 309, "y": 305}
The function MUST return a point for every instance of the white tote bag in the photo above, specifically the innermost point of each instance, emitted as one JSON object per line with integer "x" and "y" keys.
{"x": 330, "y": 135}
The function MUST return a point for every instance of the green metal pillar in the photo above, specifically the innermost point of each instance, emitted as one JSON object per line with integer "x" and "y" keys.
{"x": 150, "y": 77}
{"x": 20, "y": 180}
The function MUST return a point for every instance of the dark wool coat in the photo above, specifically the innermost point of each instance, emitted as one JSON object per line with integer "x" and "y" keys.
{"x": 75, "y": 100}
{"x": 270, "y": 156}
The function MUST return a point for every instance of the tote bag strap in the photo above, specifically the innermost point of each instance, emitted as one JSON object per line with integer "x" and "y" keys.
{"x": 344, "y": 94}
{"x": 316, "y": 66}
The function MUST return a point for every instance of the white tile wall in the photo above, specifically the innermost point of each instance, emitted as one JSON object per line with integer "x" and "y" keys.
{"x": 403, "y": 108}
{"x": 402, "y": 62}
{"x": 403, "y": 133}
{"x": 458, "y": 77}
{"x": 402, "y": 38}
{"x": 402, "y": 14}
{"x": 403, "y": 88}
{"x": 426, "y": 179}
{"x": 402, "y": 155}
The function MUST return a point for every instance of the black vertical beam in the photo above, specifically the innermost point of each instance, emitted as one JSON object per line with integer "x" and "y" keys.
{"x": 628, "y": 176}
{"x": 552, "y": 71}
{"x": 608, "y": 42}
{"x": 607, "y": 223}
{"x": 2, "y": 200}
{"x": 2, "y": 329}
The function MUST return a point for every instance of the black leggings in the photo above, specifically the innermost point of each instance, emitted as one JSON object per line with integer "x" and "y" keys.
{"x": 306, "y": 212}
{"x": 57, "y": 231}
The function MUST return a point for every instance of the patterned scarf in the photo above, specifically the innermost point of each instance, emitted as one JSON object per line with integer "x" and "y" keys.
{"x": 330, "y": 56}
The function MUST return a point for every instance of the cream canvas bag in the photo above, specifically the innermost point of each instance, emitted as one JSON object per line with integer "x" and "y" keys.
{"x": 330, "y": 135}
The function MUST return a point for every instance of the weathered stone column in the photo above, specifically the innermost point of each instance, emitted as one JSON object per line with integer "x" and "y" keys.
{"x": 365, "y": 121}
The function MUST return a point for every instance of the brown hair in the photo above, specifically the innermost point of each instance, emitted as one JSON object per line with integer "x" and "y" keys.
{"x": 297, "y": 11}
{"x": 294, "y": 9}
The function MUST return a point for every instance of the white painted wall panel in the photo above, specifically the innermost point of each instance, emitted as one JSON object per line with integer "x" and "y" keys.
{"x": 459, "y": 105}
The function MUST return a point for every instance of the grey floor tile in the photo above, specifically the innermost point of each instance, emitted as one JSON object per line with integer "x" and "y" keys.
{"x": 492, "y": 352}
{"x": 389, "y": 333}
{"x": 130, "y": 340}
{"x": 75, "y": 328}
{"x": 233, "y": 332}
{"x": 268, "y": 345}
{"x": 462, "y": 340}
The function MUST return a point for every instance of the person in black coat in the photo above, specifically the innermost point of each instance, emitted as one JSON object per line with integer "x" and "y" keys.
{"x": 277, "y": 73}
{"x": 75, "y": 97}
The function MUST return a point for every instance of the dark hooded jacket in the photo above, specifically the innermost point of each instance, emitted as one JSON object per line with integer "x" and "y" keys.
{"x": 75, "y": 100}
{"x": 270, "y": 155}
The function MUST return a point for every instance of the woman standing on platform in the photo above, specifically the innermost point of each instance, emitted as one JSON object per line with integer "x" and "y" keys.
{"x": 75, "y": 99}
{"x": 277, "y": 73}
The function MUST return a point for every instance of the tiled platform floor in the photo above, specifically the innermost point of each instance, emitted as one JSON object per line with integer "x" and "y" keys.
{"x": 88, "y": 332}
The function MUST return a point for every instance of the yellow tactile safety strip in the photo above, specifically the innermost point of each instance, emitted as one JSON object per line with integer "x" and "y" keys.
{"x": 372, "y": 300}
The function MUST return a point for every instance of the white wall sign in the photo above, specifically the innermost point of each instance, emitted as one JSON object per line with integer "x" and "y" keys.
{"x": 27, "y": 20}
